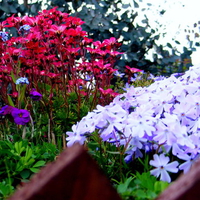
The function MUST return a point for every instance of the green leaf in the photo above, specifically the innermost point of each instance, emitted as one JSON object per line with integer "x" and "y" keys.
{"x": 140, "y": 194}
{"x": 39, "y": 163}
{"x": 13, "y": 77}
{"x": 29, "y": 153}
{"x": 25, "y": 174}
{"x": 136, "y": 5}
{"x": 113, "y": 152}
{"x": 22, "y": 92}
{"x": 160, "y": 186}
{"x": 19, "y": 167}
{"x": 121, "y": 188}
{"x": 18, "y": 147}
{"x": 34, "y": 170}
{"x": 169, "y": 45}
{"x": 29, "y": 162}
{"x": 5, "y": 189}
{"x": 10, "y": 101}
{"x": 177, "y": 42}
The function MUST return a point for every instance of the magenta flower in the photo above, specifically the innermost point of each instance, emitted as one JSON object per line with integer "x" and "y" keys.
{"x": 35, "y": 96}
{"x": 20, "y": 116}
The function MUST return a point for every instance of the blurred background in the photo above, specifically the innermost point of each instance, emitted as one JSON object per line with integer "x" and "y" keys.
{"x": 160, "y": 36}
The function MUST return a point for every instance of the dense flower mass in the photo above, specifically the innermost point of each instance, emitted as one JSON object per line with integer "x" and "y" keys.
{"x": 163, "y": 117}
{"x": 52, "y": 49}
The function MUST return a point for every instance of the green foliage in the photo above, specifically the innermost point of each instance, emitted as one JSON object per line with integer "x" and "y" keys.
{"x": 5, "y": 189}
{"x": 20, "y": 160}
{"x": 140, "y": 187}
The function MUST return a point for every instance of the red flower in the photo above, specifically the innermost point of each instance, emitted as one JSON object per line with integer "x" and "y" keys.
{"x": 108, "y": 91}
{"x": 52, "y": 75}
{"x": 133, "y": 70}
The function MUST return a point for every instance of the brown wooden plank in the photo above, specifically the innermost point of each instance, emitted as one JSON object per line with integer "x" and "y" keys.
{"x": 186, "y": 187}
{"x": 73, "y": 176}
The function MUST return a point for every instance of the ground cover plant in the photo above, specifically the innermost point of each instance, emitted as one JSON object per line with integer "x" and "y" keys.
{"x": 54, "y": 78}
{"x": 157, "y": 125}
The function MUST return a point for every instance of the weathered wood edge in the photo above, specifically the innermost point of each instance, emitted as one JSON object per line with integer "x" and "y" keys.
{"x": 74, "y": 176}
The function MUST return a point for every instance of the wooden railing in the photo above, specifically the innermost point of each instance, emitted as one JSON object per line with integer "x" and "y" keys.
{"x": 73, "y": 176}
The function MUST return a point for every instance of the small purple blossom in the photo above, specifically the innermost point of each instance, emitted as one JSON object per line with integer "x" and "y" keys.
{"x": 118, "y": 74}
{"x": 162, "y": 167}
{"x": 189, "y": 160}
{"x": 35, "y": 96}
{"x": 74, "y": 137}
{"x": 4, "y": 36}
{"x": 88, "y": 77}
{"x": 25, "y": 27}
{"x": 20, "y": 116}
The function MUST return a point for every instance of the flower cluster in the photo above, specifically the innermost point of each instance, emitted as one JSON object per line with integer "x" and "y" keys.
{"x": 51, "y": 48}
{"x": 22, "y": 81}
{"x": 162, "y": 118}
{"x": 4, "y": 36}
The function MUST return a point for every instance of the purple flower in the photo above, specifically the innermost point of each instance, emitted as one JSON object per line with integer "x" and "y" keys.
{"x": 189, "y": 160}
{"x": 4, "y": 36}
{"x": 118, "y": 74}
{"x": 35, "y": 96}
{"x": 162, "y": 167}
{"x": 5, "y": 110}
{"x": 20, "y": 116}
{"x": 25, "y": 27}
{"x": 74, "y": 137}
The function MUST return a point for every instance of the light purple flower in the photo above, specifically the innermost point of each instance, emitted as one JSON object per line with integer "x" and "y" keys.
{"x": 74, "y": 137}
{"x": 118, "y": 74}
{"x": 25, "y": 27}
{"x": 162, "y": 167}
{"x": 4, "y": 36}
{"x": 22, "y": 81}
{"x": 189, "y": 160}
